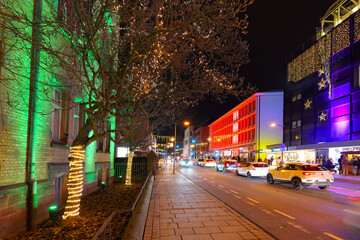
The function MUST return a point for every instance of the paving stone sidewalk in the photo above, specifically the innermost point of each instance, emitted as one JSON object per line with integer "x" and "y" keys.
{"x": 181, "y": 210}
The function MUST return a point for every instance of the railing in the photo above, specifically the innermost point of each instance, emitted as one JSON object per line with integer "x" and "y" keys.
{"x": 106, "y": 227}
{"x": 138, "y": 169}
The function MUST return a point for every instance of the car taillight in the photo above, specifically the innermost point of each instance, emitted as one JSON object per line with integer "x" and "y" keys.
{"x": 308, "y": 173}
{"x": 226, "y": 164}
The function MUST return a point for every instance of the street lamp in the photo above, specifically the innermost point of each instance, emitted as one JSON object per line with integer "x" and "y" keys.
{"x": 186, "y": 123}
{"x": 282, "y": 146}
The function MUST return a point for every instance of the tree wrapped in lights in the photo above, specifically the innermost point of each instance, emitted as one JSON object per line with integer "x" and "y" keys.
{"x": 138, "y": 63}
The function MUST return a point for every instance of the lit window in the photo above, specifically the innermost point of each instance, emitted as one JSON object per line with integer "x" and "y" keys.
{"x": 293, "y": 124}
{"x": 56, "y": 115}
{"x": 235, "y": 138}
{"x": 294, "y": 98}
{"x": 299, "y": 123}
{"x": 235, "y": 115}
{"x": 235, "y": 127}
{"x": 298, "y": 97}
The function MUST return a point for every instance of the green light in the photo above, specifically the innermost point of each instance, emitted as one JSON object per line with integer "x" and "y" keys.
{"x": 102, "y": 183}
{"x": 53, "y": 207}
{"x": 120, "y": 177}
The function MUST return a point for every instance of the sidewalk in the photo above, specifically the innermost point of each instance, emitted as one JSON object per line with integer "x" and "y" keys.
{"x": 181, "y": 210}
{"x": 348, "y": 178}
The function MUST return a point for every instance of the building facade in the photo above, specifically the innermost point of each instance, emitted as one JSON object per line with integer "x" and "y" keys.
{"x": 245, "y": 130}
{"x": 201, "y": 148}
{"x": 322, "y": 93}
{"x": 188, "y": 142}
{"x": 58, "y": 119}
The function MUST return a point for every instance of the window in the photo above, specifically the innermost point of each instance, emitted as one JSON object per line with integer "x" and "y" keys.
{"x": 56, "y": 115}
{"x": 76, "y": 120}
{"x": 235, "y": 139}
{"x": 235, "y": 115}
{"x": 298, "y": 97}
{"x": 299, "y": 123}
{"x": 294, "y": 99}
{"x": 235, "y": 127}
{"x": 293, "y": 124}
{"x": 357, "y": 76}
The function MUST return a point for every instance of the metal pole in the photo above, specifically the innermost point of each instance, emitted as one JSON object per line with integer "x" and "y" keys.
{"x": 174, "y": 151}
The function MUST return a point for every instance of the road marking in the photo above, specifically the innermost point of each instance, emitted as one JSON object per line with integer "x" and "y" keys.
{"x": 252, "y": 204}
{"x": 237, "y": 197}
{"x": 234, "y": 191}
{"x": 227, "y": 191}
{"x": 212, "y": 181}
{"x": 221, "y": 186}
{"x": 205, "y": 178}
{"x": 212, "y": 177}
{"x": 252, "y": 200}
{"x": 332, "y": 236}
{"x": 284, "y": 214}
{"x": 268, "y": 212}
{"x": 298, "y": 227}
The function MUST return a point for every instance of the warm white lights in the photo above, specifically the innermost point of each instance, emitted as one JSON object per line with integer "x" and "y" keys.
{"x": 129, "y": 168}
{"x": 75, "y": 182}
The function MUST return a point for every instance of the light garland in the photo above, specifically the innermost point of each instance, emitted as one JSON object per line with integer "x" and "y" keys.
{"x": 129, "y": 168}
{"x": 75, "y": 182}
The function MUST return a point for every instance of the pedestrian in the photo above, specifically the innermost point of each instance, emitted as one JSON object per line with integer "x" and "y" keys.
{"x": 278, "y": 162}
{"x": 340, "y": 164}
{"x": 271, "y": 160}
{"x": 345, "y": 165}
{"x": 354, "y": 164}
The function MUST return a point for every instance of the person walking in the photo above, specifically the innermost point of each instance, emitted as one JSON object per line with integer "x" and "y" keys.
{"x": 345, "y": 165}
{"x": 354, "y": 165}
{"x": 340, "y": 164}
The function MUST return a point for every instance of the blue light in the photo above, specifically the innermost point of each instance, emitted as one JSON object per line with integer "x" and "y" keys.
{"x": 192, "y": 154}
{"x": 193, "y": 141}
{"x": 177, "y": 146}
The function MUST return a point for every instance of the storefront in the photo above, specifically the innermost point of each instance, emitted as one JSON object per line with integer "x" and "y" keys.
{"x": 300, "y": 156}
{"x": 335, "y": 153}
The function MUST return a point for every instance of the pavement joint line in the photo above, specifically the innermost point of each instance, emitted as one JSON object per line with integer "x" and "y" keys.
{"x": 332, "y": 236}
{"x": 284, "y": 214}
{"x": 298, "y": 227}
{"x": 234, "y": 191}
{"x": 239, "y": 216}
{"x": 252, "y": 200}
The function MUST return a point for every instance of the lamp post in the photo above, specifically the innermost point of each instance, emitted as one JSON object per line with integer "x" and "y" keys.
{"x": 282, "y": 146}
{"x": 186, "y": 123}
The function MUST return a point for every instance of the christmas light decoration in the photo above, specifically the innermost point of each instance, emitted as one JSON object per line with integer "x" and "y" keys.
{"x": 75, "y": 181}
{"x": 129, "y": 168}
{"x": 322, "y": 116}
{"x": 307, "y": 104}
{"x": 322, "y": 84}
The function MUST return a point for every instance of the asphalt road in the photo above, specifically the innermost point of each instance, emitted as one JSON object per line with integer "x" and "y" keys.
{"x": 283, "y": 212}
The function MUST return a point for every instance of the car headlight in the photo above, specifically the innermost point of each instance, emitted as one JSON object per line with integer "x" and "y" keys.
{"x": 190, "y": 163}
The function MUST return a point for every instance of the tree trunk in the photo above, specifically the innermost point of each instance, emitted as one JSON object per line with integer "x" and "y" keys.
{"x": 75, "y": 181}
{"x": 129, "y": 168}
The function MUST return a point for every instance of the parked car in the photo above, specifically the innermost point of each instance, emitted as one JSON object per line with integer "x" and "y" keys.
{"x": 227, "y": 165}
{"x": 301, "y": 174}
{"x": 198, "y": 162}
{"x": 208, "y": 163}
{"x": 186, "y": 163}
{"x": 253, "y": 169}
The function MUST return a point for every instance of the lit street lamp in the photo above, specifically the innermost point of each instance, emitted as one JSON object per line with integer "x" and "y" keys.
{"x": 282, "y": 146}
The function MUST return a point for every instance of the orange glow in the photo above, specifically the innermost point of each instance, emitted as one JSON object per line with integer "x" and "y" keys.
{"x": 186, "y": 123}
{"x": 272, "y": 124}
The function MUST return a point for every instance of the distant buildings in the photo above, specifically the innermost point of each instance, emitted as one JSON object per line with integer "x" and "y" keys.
{"x": 201, "y": 145}
{"x": 245, "y": 130}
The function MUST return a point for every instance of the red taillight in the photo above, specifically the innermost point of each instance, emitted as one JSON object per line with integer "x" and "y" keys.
{"x": 227, "y": 165}
{"x": 308, "y": 173}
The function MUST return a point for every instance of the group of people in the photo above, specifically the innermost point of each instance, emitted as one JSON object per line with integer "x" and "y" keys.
{"x": 344, "y": 164}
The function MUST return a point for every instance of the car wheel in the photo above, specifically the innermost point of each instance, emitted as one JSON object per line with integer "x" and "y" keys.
{"x": 269, "y": 179}
{"x": 296, "y": 184}
{"x": 248, "y": 175}
{"x": 323, "y": 187}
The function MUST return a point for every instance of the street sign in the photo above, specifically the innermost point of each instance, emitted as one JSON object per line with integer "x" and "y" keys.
{"x": 282, "y": 147}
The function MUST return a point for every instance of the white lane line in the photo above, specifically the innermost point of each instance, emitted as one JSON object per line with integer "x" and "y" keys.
{"x": 234, "y": 191}
{"x": 332, "y": 236}
{"x": 237, "y": 197}
{"x": 268, "y": 212}
{"x": 252, "y": 200}
{"x": 298, "y": 227}
{"x": 284, "y": 214}
{"x": 212, "y": 181}
{"x": 252, "y": 204}
{"x": 221, "y": 186}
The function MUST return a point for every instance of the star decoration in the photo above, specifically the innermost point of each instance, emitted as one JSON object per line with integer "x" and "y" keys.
{"x": 322, "y": 83}
{"x": 307, "y": 104}
{"x": 321, "y": 72}
{"x": 322, "y": 116}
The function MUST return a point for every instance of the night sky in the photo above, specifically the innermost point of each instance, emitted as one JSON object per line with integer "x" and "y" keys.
{"x": 276, "y": 29}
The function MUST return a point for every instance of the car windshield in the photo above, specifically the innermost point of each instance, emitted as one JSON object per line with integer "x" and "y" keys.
{"x": 313, "y": 168}
{"x": 260, "y": 165}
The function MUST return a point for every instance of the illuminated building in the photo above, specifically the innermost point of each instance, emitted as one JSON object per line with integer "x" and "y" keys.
{"x": 245, "y": 130}
{"x": 188, "y": 136}
{"x": 201, "y": 148}
{"x": 322, "y": 93}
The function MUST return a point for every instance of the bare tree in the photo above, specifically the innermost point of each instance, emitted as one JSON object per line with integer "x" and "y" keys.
{"x": 135, "y": 62}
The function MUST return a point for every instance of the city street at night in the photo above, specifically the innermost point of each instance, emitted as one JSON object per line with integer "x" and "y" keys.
{"x": 283, "y": 212}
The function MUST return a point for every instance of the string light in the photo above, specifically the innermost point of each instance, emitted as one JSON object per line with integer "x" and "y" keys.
{"x": 129, "y": 168}
{"x": 75, "y": 182}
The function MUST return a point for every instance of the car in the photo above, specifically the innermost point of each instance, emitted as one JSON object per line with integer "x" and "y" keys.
{"x": 301, "y": 174}
{"x": 198, "y": 162}
{"x": 186, "y": 163}
{"x": 253, "y": 169}
{"x": 227, "y": 165}
{"x": 208, "y": 163}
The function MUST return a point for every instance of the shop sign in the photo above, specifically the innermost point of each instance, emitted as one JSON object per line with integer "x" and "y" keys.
{"x": 227, "y": 153}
